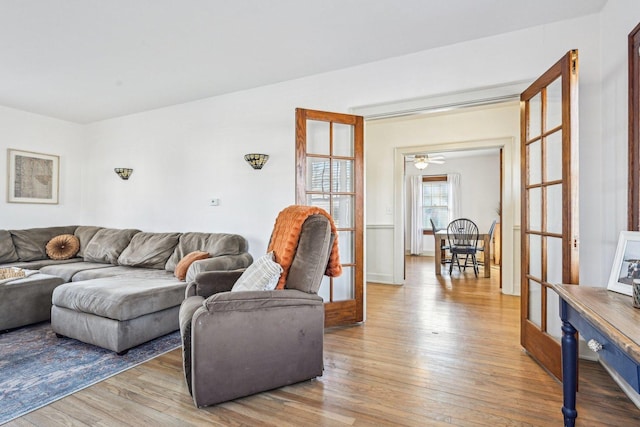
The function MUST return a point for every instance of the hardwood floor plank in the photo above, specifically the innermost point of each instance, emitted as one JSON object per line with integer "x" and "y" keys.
{"x": 437, "y": 351}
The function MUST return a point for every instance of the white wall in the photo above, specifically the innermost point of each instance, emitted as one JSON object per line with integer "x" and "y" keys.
{"x": 31, "y": 132}
{"x": 603, "y": 162}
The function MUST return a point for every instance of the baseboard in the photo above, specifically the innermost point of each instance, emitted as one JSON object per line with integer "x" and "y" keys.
{"x": 386, "y": 279}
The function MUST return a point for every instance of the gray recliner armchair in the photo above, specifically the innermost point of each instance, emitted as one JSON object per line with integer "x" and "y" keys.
{"x": 239, "y": 343}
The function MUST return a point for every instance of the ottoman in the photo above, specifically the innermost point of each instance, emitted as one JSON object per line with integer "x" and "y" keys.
{"x": 28, "y": 300}
{"x": 118, "y": 312}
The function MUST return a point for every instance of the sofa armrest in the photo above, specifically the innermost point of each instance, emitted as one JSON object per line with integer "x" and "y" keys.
{"x": 258, "y": 300}
{"x": 219, "y": 263}
{"x": 212, "y": 282}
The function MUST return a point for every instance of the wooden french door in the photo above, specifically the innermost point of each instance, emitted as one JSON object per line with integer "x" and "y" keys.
{"x": 549, "y": 160}
{"x": 330, "y": 174}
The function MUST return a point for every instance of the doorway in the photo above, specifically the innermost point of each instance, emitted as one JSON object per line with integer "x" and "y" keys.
{"x": 453, "y": 184}
{"x": 462, "y": 129}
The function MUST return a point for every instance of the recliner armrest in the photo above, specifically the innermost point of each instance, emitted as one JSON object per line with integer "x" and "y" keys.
{"x": 257, "y": 300}
{"x": 209, "y": 283}
{"x": 219, "y": 263}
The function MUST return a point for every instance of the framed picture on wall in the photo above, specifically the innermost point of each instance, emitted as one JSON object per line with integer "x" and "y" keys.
{"x": 33, "y": 177}
{"x": 626, "y": 263}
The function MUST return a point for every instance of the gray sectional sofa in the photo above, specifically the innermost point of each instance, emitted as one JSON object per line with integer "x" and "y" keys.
{"x": 119, "y": 291}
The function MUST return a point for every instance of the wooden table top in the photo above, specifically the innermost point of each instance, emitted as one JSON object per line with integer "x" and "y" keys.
{"x": 612, "y": 313}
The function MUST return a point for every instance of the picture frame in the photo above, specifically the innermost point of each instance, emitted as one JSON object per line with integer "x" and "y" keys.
{"x": 626, "y": 263}
{"x": 33, "y": 177}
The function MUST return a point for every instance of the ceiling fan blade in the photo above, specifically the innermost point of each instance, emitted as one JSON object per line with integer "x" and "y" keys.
{"x": 436, "y": 162}
{"x": 436, "y": 157}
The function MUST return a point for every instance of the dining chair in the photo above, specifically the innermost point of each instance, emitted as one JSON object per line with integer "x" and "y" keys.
{"x": 481, "y": 248}
{"x": 443, "y": 244}
{"x": 462, "y": 235}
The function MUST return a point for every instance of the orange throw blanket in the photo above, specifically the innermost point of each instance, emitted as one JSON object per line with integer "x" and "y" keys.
{"x": 286, "y": 234}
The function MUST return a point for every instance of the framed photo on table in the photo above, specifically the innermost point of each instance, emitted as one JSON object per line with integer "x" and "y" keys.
{"x": 626, "y": 263}
{"x": 33, "y": 177}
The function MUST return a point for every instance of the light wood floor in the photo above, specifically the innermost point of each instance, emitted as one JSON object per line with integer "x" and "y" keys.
{"x": 434, "y": 352}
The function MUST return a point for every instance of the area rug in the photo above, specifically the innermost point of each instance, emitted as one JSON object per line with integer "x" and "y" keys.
{"x": 38, "y": 368}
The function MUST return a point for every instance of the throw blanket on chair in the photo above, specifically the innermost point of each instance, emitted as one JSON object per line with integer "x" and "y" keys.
{"x": 286, "y": 233}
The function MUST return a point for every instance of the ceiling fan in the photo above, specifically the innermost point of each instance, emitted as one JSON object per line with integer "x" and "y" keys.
{"x": 421, "y": 161}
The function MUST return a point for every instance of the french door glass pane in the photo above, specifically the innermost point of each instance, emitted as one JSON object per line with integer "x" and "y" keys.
{"x": 345, "y": 246}
{"x": 343, "y": 144}
{"x": 553, "y": 314}
{"x": 535, "y": 256}
{"x": 554, "y": 104}
{"x": 535, "y": 303}
{"x": 342, "y": 211}
{"x": 318, "y": 174}
{"x": 319, "y": 200}
{"x": 318, "y": 137}
{"x": 535, "y": 209}
{"x": 554, "y": 260}
{"x": 535, "y": 113}
{"x": 535, "y": 162}
{"x": 343, "y": 285}
{"x": 342, "y": 179}
{"x": 554, "y": 156}
{"x": 554, "y": 208}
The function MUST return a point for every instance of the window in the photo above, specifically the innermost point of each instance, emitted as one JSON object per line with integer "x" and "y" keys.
{"x": 435, "y": 202}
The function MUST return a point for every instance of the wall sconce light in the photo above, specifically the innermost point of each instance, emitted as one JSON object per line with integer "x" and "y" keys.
{"x": 123, "y": 173}
{"x": 257, "y": 161}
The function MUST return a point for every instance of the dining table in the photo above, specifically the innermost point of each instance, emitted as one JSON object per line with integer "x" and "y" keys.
{"x": 442, "y": 236}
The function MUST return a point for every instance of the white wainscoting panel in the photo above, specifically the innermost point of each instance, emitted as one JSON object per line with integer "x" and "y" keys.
{"x": 379, "y": 253}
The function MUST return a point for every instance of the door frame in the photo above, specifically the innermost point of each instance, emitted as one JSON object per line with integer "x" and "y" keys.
{"x": 510, "y": 174}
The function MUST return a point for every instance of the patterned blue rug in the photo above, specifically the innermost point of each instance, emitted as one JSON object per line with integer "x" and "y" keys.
{"x": 37, "y": 368}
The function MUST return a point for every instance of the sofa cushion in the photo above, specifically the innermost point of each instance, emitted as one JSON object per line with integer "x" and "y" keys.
{"x": 185, "y": 263}
{"x": 7, "y": 250}
{"x": 149, "y": 250}
{"x": 30, "y": 243}
{"x": 120, "y": 298}
{"x": 216, "y": 244}
{"x": 262, "y": 275}
{"x": 69, "y": 270}
{"x": 122, "y": 270}
{"x": 85, "y": 233}
{"x": 64, "y": 246}
{"x": 107, "y": 245}
{"x": 38, "y": 264}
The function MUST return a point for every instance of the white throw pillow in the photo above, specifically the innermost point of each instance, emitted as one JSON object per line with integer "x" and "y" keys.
{"x": 262, "y": 275}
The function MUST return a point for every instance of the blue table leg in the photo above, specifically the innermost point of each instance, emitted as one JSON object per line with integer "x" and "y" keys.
{"x": 569, "y": 367}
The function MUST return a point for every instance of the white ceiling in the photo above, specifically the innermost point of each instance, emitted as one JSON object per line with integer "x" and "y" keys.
{"x": 88, "y": 60}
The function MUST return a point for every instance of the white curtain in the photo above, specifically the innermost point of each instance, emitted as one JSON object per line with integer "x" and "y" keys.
{"x": 453, "y": 179}
{"x": 415, "y": 214}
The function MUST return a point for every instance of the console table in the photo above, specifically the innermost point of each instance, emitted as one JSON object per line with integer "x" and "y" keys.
{"x": 611, "y": 327}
